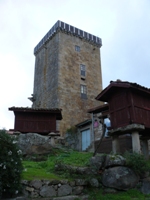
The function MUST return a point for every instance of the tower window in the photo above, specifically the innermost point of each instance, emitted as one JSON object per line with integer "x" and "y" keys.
{"x": 82, "y": 70}
{"x": 77, "y": 48}
{"x": 83, "y": 92}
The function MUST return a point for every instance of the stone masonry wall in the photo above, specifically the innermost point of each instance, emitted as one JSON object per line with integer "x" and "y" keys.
{"x": 53, "y": 188}
{"x": 46, "y": 75}
{"x": 75, "y": 108}
{"x": 57, "y": 78}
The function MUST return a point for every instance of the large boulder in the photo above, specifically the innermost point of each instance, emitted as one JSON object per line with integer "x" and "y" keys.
{"x": 121, "y": 178}
{"x": 33, "y": 143}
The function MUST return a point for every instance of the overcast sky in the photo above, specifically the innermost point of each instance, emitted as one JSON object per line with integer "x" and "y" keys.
{"x": 123, "y": 25}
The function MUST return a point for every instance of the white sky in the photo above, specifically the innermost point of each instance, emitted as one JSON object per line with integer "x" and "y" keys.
{"x": 123, "y": 25}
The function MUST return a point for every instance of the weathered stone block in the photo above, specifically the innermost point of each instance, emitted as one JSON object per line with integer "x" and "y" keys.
{"x": 114, "y": 160}
{"x": 77, "y": 190}
{"x": 72, "y": 183}
{"x": 94, "y": 182}
{"x": 30, "y": 189}
{"x": 35, "y": 194}
{"x": 54, "y": 182}
{"x": 64, "y": 190}
{"x": 47, "y": 191}
{"x": 97, "y": 162}
{"x": 81, "y": 182}
{"x": 36, "y": 184}
{"x": 46, "y": 182}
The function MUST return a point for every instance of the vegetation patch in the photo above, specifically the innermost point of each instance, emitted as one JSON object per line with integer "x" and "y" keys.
{"x": 10, "y": 165}
{"x": 38, "y": 170}
{"x": 74, "y": 158}
{"x": 46, "y": 169}
{"x": 132, "y": 194}
{"x": 137, "y": 162}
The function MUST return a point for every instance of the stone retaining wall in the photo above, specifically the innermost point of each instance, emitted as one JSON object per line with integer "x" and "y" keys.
{"x": 53, "y": 188}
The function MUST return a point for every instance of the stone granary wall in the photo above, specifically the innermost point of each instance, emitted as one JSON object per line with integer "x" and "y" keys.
{"x": 68, "y": 74}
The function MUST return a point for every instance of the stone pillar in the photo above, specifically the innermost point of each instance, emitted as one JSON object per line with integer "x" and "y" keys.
{"x": 145, "y": 151}
{"x": 53, "y": 135}
{"x": 136, "y": 147}
{"x": 115, "y": 144}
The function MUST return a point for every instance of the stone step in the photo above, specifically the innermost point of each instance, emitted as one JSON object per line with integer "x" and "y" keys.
{"x": 89, "y": 148}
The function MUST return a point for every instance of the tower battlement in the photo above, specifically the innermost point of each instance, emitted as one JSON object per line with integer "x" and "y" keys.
{"x": 59, "y": 25}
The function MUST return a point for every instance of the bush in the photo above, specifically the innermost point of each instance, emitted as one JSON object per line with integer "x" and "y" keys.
{"x": 10, "y": 165}
{"x": 72, "y": 137}
{"x": 137, "y": 162}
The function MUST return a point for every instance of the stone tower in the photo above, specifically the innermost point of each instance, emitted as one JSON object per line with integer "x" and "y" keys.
{"x": 67, "y": 73}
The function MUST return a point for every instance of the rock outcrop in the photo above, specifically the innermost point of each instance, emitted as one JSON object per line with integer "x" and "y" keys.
{"x": 33, "y": 143}
{"x": 102, "y": 161}
{"x": 121, "y": 178}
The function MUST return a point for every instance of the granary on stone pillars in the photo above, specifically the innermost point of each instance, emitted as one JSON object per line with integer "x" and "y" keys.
{"x": 67, "y": 73}
{"x": 129, "y": 110}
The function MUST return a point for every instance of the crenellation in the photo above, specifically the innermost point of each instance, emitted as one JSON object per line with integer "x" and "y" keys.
{"x": 61, "y": 26}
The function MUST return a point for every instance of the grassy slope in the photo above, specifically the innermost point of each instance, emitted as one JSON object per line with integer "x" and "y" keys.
{"x": 45, "y": 170}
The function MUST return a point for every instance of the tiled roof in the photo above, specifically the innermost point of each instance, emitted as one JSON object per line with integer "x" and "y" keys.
{"x": 35, "y": 109}
{"x": 130, "y": 84}
{"x": 114, "y": 85}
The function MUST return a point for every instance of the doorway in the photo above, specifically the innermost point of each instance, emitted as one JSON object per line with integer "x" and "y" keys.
{"x": 86, "y": 139}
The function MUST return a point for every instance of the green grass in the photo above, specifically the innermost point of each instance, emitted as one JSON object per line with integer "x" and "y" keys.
{"x": 45, "y": 169}
{"x": 74, "y": 158}
{"x": 132, "y": 194}
{"x": 34, "y": 170}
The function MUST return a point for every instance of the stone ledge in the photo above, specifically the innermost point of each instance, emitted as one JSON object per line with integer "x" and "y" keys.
{"x": 126, "y": 129}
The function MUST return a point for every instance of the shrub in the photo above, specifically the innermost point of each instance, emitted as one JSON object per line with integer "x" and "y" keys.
{"x": 10, "y": 165}
{"x": 72, "y": 137}
{"x": 137, "y": 162}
